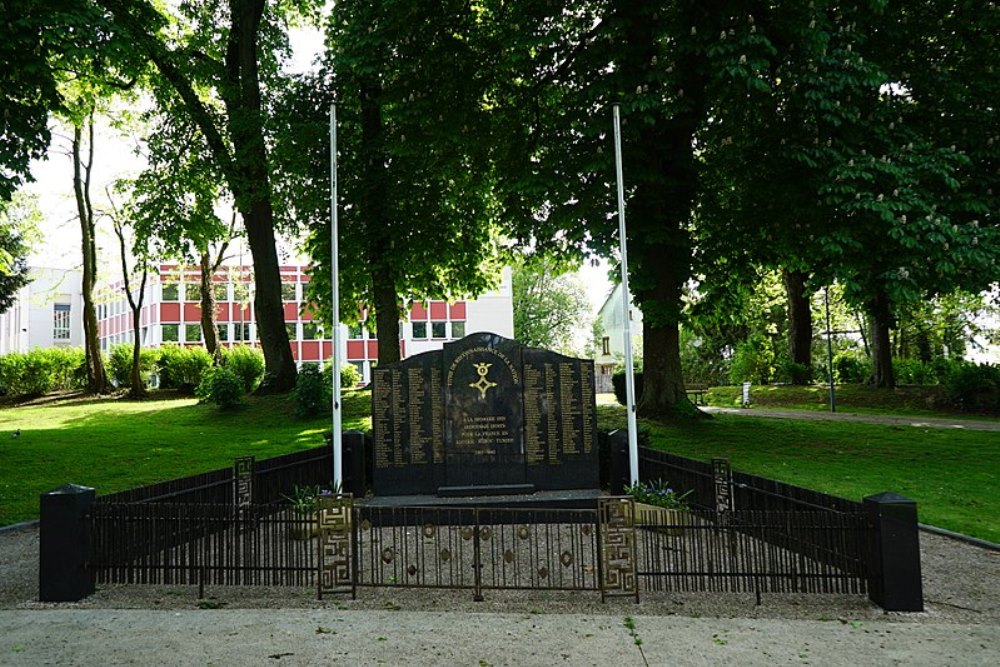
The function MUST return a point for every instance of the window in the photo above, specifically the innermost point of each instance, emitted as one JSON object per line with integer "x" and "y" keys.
{"x": 437, "y": 329}
{"x": 458, "y": 329}
{"x": 223, "y": 333}
{"x": 290, "y": 328}
{"x": 170, "y": 291}
{"x": 354, "y": 331}
{"x": 420, "y": 329}
{"x": 168, "y": 332}
{"x": 192, "y": 333}
{"x": 288, "y": 291}
{"x": 245, "y": 333}
{"x": 606, "y": 345}
{"x": 309, "y": 331}
{"x": 241, "y": 293}
{"x": 221, "y": 292}
{"x": 60, "y": 321}
{"x": 192, "y": 292}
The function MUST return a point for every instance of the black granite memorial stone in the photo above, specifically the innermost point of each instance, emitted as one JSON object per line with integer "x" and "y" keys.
{"x": 484, "y": 422}
{"x": 484, "y": 414}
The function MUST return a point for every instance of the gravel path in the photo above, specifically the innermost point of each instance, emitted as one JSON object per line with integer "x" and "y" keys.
{"x": 257, "y": 626}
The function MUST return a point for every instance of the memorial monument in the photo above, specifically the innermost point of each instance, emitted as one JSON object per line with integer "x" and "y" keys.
{"x": 484, "y": 416}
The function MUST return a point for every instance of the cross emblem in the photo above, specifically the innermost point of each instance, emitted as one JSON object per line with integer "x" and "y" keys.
{"x": 482, "y": 384}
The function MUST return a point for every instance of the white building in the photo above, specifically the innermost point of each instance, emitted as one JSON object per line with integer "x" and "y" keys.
{"x": 611, "y": 348}
{"x": 48, "y": 312}
{"x": 171, "y": 314}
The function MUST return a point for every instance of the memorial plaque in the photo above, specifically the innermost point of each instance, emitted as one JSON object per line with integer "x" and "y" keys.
{"x": 559, "y": 421}
{"x": 407, "y": 425}
{"x": 484, "y": 413}
{"x": 484, "y": 422}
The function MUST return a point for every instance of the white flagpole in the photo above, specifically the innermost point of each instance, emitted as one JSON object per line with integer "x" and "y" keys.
{"x": 633, "y": 439}
{"x": 336, "y": 440}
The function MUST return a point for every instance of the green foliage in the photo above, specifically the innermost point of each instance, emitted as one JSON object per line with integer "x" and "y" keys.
{"x": 790, "y": 372}
{"x": 221, "y": 386}
{"x": 120, "y": 364}
{"x": 549, "y": 304}
{"x": 618, "y": 382}
{"x": 350, "y": 376}
{"x": 19, "y": 220}
{"x": 182, "y": 367}
{"x": 851, "y": 367}
{"x": 659, "y": 493}
{"x": 975, "y": 388}
{"x": 753, "y": 361}
{"x": 247, "y": 363}
{"x": 40, "y": 371}
{"x": 702, "y": 359}
{"x": 311, "y": 393}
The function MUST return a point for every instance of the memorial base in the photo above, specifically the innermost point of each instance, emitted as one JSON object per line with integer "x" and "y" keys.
{"x": 565, "y": 499}
{"x": 489, "y": 490}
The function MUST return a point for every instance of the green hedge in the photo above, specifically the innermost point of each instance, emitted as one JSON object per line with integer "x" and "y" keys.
{"x": 182, "y": 368}
{"x": 42, "y": 370}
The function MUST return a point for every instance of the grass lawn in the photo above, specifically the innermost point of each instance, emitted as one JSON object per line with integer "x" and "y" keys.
{"x": 923, "y": 401}
{"x": 113, "y": 444}
{"x": 953, "y": 475}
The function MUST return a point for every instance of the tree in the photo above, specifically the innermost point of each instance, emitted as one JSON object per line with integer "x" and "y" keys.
{"x": 550, "y": 304}
{"x": 176, "y": 197}
{"x": 139, "y": 249}
{"x": 219, "y": 60}
{"x": 416, "y": 217}
{"x": 82, "y": 152}
{"x": 19, "y": 220}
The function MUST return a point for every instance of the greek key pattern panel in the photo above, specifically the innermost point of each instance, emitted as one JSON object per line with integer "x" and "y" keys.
{"x": 243, "y": 468}
{"x": 334, "y": 522}
{"x": 618, "y": 557}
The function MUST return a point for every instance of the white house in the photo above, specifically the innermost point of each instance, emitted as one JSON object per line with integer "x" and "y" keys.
{"x": 48, "y": 312}
{"x": 611, "y": 348}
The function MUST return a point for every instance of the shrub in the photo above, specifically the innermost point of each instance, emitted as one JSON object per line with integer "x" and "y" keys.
{"x": 618, "y": 382}
{"x": 222, "y": 387}
{"x": 247, "y": 363}
{"x": 851, "y": 367}
{"x": 120, "y": 364}
{"x": 42, "y": 370}
{"x": 913, "y": 371}
{"x": 753, "y": 361}
{"x": 350, "y": 376}
{"x": 310, "y": 393}
{"x": 795, "y": 373}
{"x": 182, "y": 368}
{"x": 975, "y": 388}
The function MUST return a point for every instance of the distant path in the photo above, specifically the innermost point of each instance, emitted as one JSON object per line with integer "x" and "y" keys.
{"x": 897, "y": 420}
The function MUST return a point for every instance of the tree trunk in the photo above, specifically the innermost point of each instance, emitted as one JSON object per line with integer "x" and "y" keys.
{"x": 97, "y": 377}
{"x": 374, "y": 207}
{"x": 799, "y": 325}
{"x": 138, "y": 389}
{"x": 252, "y": 189}
{"x": 206, "y": 291}
{"x": 881, "y": 311}
{"x": 279, "y": 364}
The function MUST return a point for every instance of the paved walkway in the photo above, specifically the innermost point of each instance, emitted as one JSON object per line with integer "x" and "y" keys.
{"x": 899, "y": 420}
{"x": 360, "y": 637}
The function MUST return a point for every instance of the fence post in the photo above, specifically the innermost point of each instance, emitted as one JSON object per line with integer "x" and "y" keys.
{"x": 353, "y": 446}
{"x": 618, "y": 456}
{"x": 894, "y": 570}
{"x": 64, "y": 544}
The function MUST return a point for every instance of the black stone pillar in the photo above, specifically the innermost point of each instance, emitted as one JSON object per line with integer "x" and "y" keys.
{"x": 353, "y": 463}
{"x": 621, "y": 474}
{"x": 64, "y": 544}
{"x": 894, "y": 571}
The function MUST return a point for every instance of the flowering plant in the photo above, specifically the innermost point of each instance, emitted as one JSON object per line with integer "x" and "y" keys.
{"x": 658, "y": 493}
{"x": 303, "y": 497}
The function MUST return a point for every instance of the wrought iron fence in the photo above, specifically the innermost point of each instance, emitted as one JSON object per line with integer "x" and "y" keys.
{"x": 204, "y": 544}
{"x": 478, "y": 549}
